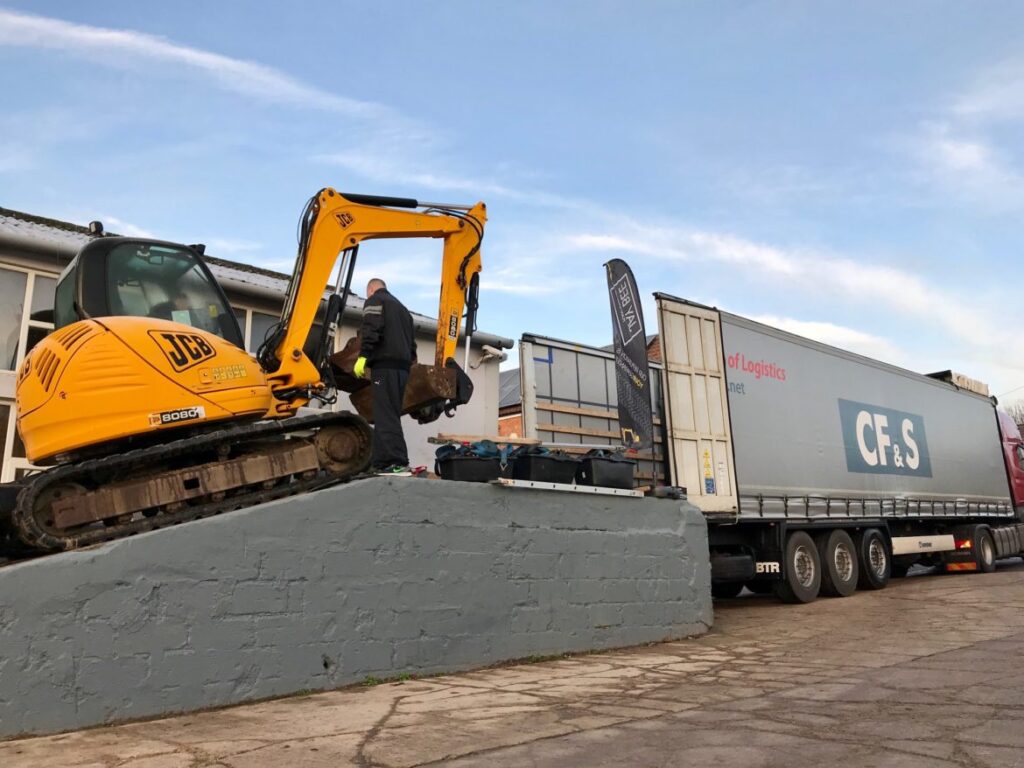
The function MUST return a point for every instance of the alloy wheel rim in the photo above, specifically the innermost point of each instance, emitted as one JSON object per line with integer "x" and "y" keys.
{"x": 876, "y": 557}
{"x": 843, "y": 560}
{"x": 803, "y": 566}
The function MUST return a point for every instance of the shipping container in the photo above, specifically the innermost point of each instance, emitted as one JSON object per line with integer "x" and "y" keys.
{"x": 803, "y": 455}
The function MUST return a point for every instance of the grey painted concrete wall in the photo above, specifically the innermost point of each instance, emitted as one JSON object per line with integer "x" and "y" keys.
{"x": 380, "y": 577}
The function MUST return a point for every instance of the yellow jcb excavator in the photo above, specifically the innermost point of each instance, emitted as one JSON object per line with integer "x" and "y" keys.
{"x": 152, "y": 413}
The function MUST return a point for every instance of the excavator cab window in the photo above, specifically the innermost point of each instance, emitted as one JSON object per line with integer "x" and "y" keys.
{"x": 144, "y": 278}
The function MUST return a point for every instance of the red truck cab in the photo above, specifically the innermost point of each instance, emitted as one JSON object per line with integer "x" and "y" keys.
{"x": 1013, "y": 454}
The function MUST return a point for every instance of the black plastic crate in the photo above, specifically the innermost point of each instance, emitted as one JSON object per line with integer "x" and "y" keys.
{"x": 546, "y": 468}
{"x": 469, "y": 469}
{"x": 606, "y": 471}
{"x": 472, "y": 469}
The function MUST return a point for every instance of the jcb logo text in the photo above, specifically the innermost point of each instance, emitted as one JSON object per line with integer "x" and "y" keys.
{"x": 183, "y": 350}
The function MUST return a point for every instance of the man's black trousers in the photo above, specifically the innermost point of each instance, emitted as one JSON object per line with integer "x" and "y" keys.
{"x": 388, "y": 441}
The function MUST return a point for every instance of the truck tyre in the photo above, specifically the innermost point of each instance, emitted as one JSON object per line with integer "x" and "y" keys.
{"x": 839, "y": 571}
{"x": 874, "y": 559}
{"x": 722, "y": 589}
{"x": 802, "y": 579}
{"x": 984, "y": 549}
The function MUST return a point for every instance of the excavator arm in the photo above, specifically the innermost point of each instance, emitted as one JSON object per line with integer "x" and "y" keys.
{"x": 335, "y": 223}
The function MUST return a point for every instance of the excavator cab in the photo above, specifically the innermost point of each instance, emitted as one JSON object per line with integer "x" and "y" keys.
{"x": 130, "y": 277}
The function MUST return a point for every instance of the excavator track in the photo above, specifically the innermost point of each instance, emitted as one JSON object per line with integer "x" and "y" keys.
{"x": 119, "y": 495}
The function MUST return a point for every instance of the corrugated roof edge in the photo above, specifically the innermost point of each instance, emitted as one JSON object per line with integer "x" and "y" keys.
{"x": 77, "y": 229}
{"x": 66, "y": 226}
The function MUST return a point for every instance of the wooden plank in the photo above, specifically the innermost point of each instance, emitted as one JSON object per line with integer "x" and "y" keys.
{"x": 595, "y": 413}
{"x": 582, "y": 450}
{"x": 586, "y": 431}
{"x": 444, "y": 438}
{"x": 592, "y": 412}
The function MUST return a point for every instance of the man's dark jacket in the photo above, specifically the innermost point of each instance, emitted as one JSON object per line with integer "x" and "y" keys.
{"x": 388, "y": 338}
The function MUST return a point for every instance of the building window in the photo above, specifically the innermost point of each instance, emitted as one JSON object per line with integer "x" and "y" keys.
{"x": 259, "y": 326}
{"x": 12, "y": 305}
{"x": 13, "y": 464}
{"x": 19, "y": 332}
{"x": 6, "y": 410}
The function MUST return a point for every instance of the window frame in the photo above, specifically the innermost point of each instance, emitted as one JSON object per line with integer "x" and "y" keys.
{"x": 9, "y": 464}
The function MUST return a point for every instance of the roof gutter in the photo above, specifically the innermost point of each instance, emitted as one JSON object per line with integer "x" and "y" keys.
{"x": 36, "y": 245}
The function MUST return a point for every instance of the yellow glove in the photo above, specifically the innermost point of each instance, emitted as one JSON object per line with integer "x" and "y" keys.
{"x": 359, "y": 369}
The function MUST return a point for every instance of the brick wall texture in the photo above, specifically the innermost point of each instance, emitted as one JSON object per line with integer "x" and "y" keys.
{"x": 379, "y": 577}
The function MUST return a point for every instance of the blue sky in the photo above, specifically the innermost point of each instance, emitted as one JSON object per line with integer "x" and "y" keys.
{"x": 851, "y": 172}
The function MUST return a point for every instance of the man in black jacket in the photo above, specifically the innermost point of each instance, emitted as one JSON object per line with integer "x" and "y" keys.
{"x": 388, "y": 348}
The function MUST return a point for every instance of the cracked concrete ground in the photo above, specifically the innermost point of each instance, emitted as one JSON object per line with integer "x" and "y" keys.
{"x": 929, "y": 672}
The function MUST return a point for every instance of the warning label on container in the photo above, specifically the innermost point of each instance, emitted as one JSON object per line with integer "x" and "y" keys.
{"x": 709, "y": 478}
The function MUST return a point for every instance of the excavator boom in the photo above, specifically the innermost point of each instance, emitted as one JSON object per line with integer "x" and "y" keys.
{"x": 335, "y": 223}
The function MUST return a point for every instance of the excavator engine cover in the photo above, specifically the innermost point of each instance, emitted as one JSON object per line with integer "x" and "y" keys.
{"x": 431, "y": 391}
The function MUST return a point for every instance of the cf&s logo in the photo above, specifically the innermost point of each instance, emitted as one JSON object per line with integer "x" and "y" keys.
{"x": 884, "y": 441}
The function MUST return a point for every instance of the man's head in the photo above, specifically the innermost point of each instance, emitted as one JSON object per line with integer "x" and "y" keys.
{"x": 374, "y": 285}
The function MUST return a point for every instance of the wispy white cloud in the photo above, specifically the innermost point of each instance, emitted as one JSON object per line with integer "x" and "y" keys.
{"x": 121, "y": 47}
{"x": 507, "y": 277}
{"x": 996, "y": 93}
{"x": 969, "y": 167}
{"x": 382, "y": 165}
{"x": 124, "y": 228}
{"x": 961, "y": 331}
{"x": 231, "y": 246}
{"x": 400, "y": 164}
{"x": 893, "y": 290}
{"x": 840, "y": 336}
{"x": 389, "y": 148}
{"x": 958, "y": 149}
{"x": 15, "y": 157}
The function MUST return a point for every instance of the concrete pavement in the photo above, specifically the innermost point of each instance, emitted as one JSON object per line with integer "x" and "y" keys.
{"x": 929, "y": 672}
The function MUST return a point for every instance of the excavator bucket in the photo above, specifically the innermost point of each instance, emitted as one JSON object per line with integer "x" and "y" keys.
{"x": 431, "y": 390}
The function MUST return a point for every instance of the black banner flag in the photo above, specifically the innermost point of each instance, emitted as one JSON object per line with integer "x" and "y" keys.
{"x": 632, "y": 373}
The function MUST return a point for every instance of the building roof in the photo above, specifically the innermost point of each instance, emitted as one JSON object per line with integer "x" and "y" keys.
{"x": 57, "y": 235}
{"x": 509, "y": 388}
{"x": 647, "y": 342}
{"x": 63, "y": 239}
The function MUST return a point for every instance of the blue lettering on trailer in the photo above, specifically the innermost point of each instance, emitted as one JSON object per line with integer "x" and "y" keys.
{"x": 884, "y": 441}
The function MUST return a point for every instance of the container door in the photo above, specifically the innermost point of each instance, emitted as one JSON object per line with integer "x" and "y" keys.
{"x": 699, "y": 436}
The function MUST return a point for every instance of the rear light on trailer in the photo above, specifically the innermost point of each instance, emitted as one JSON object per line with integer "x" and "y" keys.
{"x": 964, "y": 544}
{"x": 961, "y": 566}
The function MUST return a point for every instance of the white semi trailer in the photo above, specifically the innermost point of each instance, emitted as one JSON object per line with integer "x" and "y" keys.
{"x": 820, "y": 471}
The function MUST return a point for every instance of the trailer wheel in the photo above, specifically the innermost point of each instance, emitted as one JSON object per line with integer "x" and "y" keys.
{"x": 802, "y": 579}
{"x": 723, "y": 589}
{"x": 874, "y": 559}
{"x": 839, "y": 571}
{"x": 984, "y": 549}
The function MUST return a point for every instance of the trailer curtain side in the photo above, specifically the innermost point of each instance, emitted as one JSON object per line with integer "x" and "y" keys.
{"x": 767, "y": 424}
